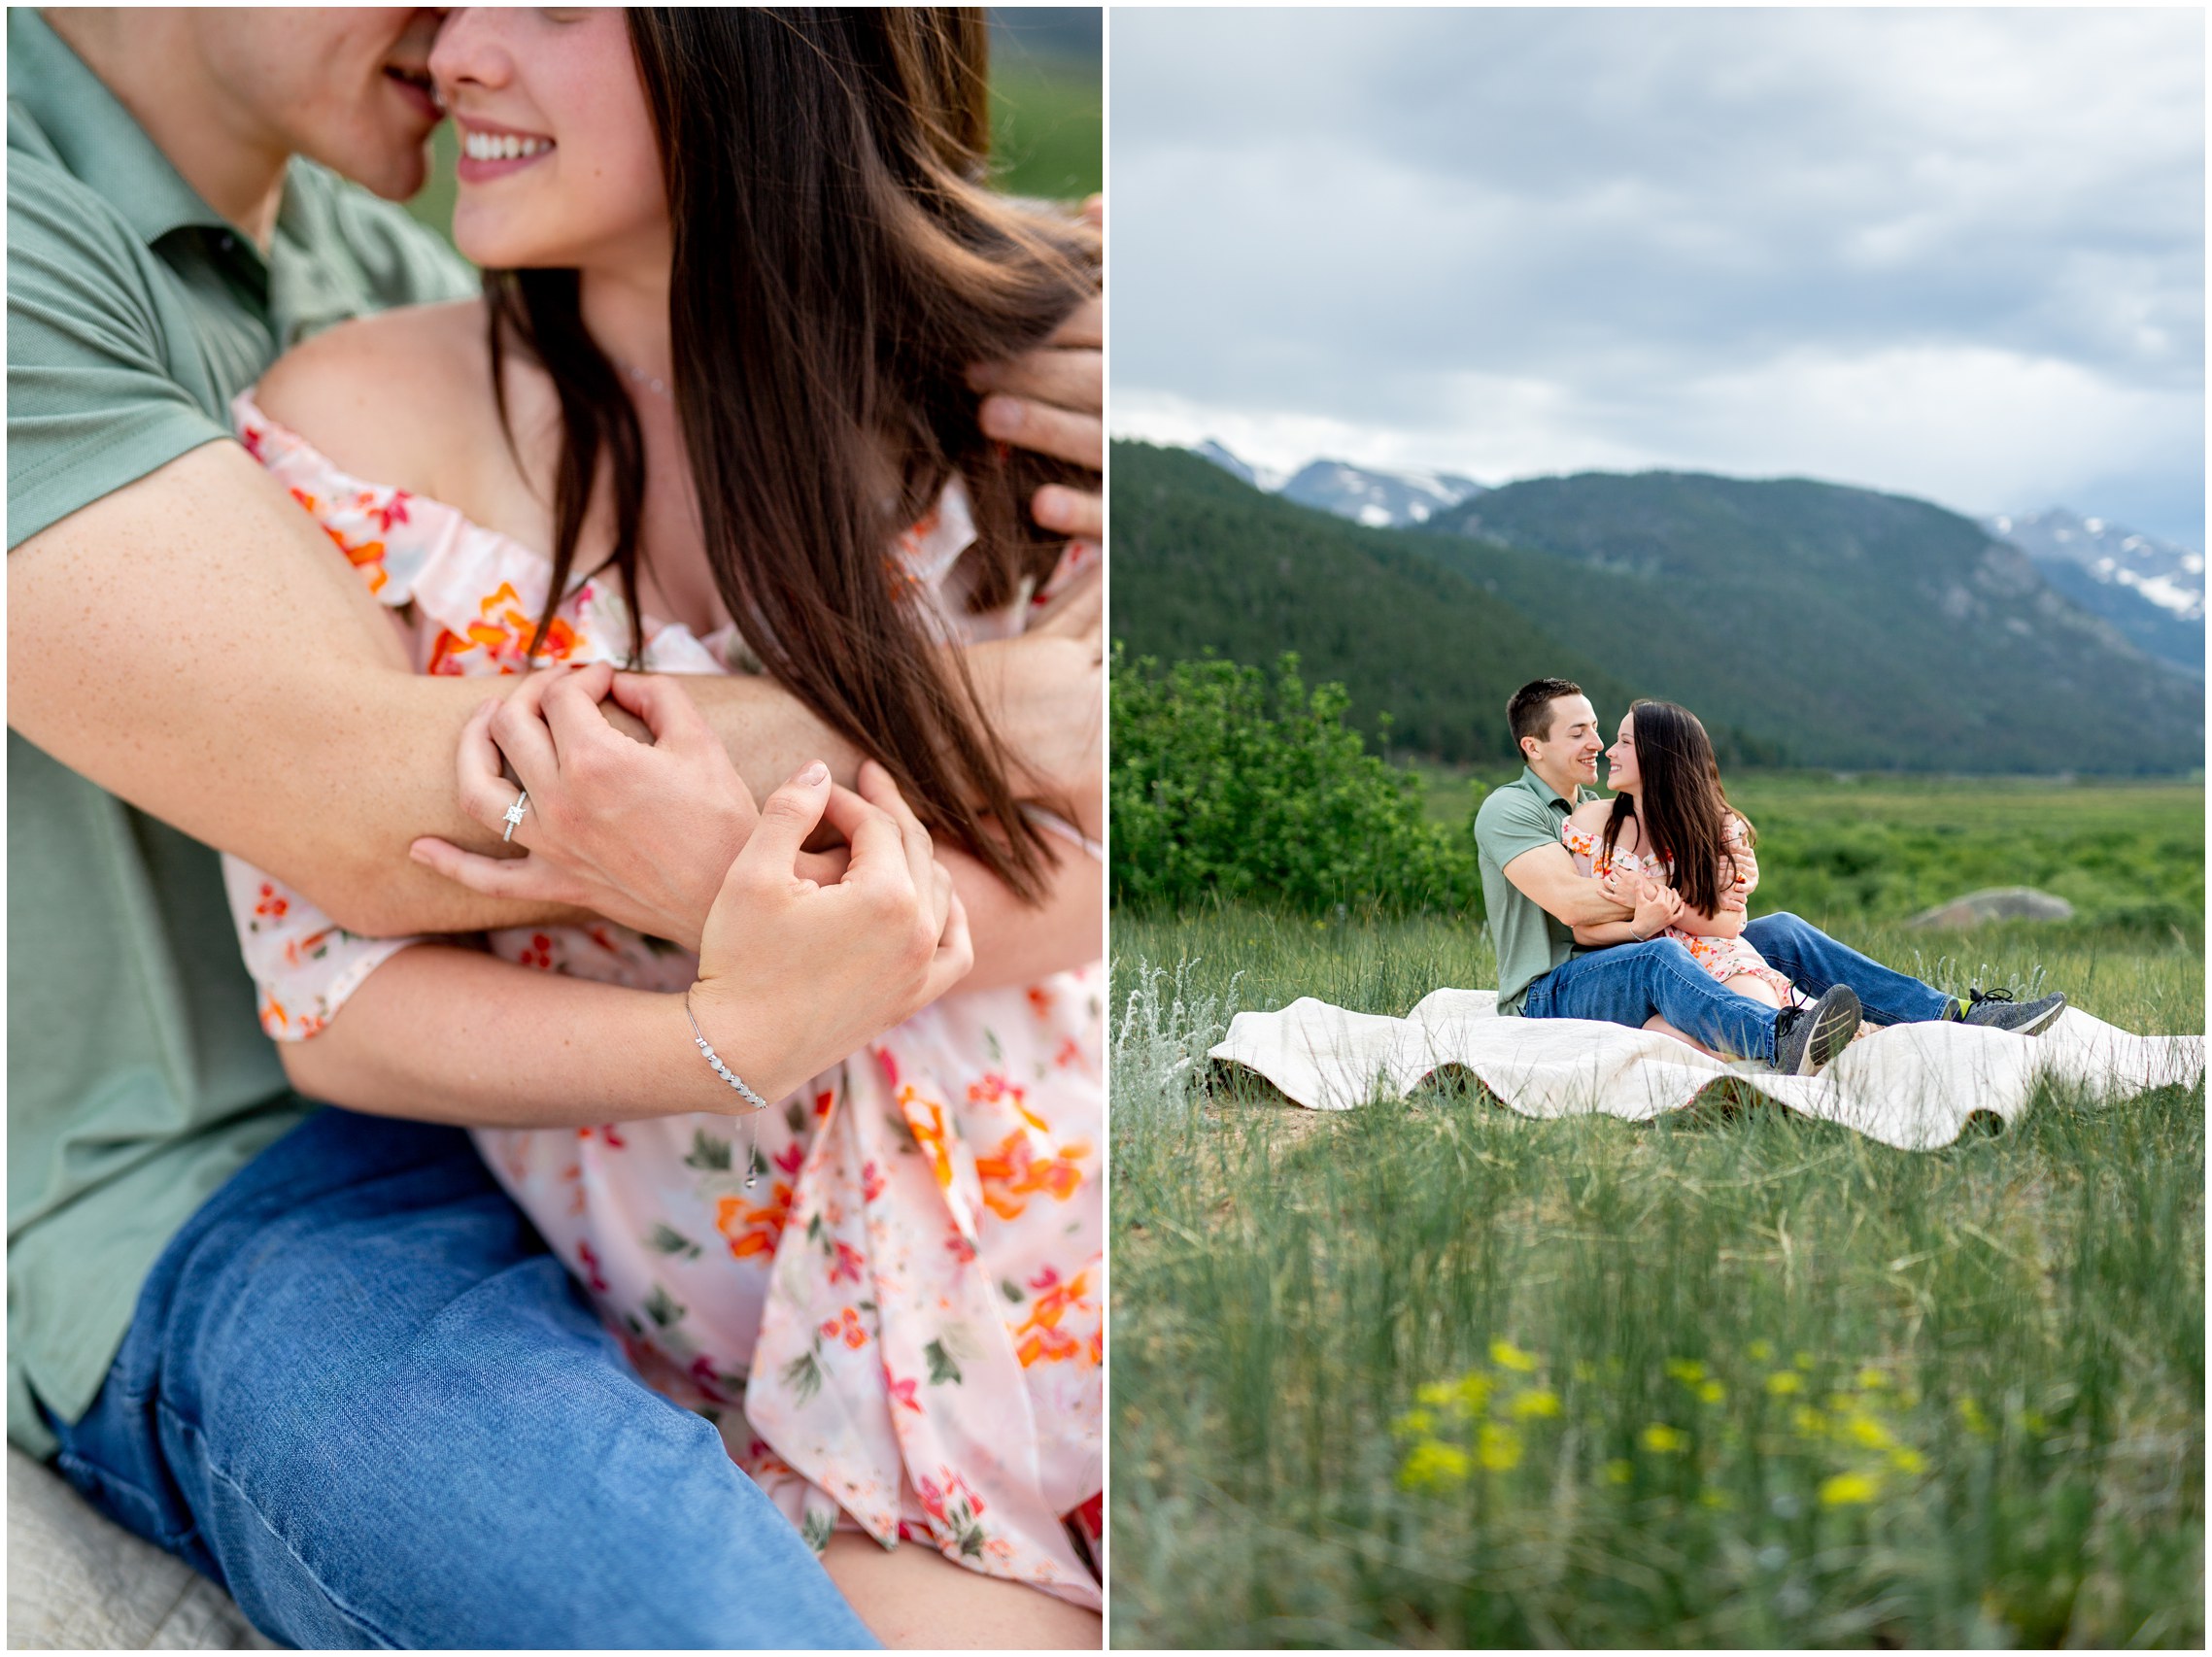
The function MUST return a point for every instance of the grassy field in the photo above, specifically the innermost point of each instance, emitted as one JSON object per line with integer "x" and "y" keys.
{"x": 1431, "y": 1373}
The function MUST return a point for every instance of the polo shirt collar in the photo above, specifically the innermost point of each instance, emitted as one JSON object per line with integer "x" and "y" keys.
{"x": 98, "y": 140}
{"x": 1542, "y": 790}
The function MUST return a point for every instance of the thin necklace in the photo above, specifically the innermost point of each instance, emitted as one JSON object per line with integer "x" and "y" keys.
{"x": 652, "y": 383}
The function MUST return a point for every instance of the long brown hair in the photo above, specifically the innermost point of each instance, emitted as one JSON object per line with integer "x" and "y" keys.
{"x": 839, "y": 261}
{"x": 1686, "y": 811}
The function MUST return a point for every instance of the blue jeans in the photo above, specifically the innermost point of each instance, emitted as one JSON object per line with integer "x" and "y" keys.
{"x": 1628, "y": 982}
{"x": 1814, "y": 962}
{"x": 360, "y": 1395}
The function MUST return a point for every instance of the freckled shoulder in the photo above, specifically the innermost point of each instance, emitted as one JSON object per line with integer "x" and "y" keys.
{"x": 393, "y": 399}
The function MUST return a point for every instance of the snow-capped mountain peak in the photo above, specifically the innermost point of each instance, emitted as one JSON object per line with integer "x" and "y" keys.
{"x": 1378, "y": 498}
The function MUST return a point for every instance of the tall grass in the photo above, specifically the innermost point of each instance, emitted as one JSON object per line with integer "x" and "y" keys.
{"x": 1432, "y": 1373}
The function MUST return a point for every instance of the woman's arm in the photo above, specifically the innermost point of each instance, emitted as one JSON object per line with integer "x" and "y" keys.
{"x": 792, "y": 977}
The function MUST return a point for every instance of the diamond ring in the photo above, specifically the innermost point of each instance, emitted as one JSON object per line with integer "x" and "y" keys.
{"x": 515, "y": 814}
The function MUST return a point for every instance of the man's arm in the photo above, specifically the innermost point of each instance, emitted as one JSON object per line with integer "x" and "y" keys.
{"x": 193, "y": 644}
{"x": 1546, "y": 876}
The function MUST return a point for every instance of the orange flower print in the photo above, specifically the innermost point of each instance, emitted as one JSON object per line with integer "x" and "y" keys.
{"x": 1039, "y": 1339}
{"x": 925, "y": 1119}
{"x": 846, "y": 1326}
{"x": 273, "y": 904}
{"x": 273, "y": 1016}
{"x": 393, "y": 511}
{"x": 823, "y": 1100}
{"x": 902, "y": 1391}
{"x": 845, "y": 1267}
{"x": 872, "y": 1182}
{"x": 607, "y": 1135}
{"x": 1016, "y": 1173}
{"x": 755, "y": 1228}
{"x": 1071, "y": 1053}
{"x": 1040, "y": 1001}
{"x": 961, "y": 1248}
{"x": 539, "y": 954}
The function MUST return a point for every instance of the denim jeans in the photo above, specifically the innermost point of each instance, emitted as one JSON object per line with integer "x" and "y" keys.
{"x": 360, "y": 1395}
{"x": 1814, "y": 962}
{"x": 1628, "y": 982}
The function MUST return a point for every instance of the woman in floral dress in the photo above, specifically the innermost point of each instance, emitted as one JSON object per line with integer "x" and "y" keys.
{"x": 1667, "y": 794}
{"x": 706, "y": 421}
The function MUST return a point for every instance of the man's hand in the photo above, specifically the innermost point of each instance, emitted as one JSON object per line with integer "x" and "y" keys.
{"x": 1053, "y": 400}
{"x": 643, "y": 835}
{"x": 1044, "y": 693}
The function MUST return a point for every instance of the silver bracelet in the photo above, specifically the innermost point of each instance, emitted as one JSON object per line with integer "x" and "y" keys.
{"x": 759, "y": 1104}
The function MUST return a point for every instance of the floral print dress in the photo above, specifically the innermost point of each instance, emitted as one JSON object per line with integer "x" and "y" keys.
{"x": 898, "y": 1326}
{"x": 1723, "y": 958}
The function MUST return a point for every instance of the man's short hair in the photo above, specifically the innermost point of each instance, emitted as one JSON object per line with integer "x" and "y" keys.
{"x": 1529, "y": 713}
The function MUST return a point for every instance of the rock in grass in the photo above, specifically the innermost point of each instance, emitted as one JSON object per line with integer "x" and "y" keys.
{"x": 1994, "y": 903}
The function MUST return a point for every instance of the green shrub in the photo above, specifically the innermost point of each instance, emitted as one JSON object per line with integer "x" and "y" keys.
{"x": 1225, "y": 786}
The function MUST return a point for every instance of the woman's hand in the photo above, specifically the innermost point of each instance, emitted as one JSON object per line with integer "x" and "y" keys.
{"x": 1656, "y": 909}
{"x": 794, "y": 975}
{"x": 640, "y": 833}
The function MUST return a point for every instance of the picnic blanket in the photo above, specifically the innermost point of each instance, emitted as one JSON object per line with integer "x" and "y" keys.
{"x": 1909, "y": 1085}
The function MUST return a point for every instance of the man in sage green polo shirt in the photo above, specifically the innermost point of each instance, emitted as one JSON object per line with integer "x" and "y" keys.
{"x": 241, "y": 1321}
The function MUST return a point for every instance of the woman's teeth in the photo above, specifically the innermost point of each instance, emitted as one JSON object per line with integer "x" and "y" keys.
{"x": 500, "y": 146}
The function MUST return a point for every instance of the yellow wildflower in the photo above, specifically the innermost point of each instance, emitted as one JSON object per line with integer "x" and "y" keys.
{"x": 1498, "y": 1447}
{"x": 1803, "y": 1360}
{"x": 1618, "y": 1473}
{"x": 1687, "y": 1371}
{"x": 1414, "y": 1423}
{"x": 1662, "y": 1439}
{"x": 1537, "y": 1401}
{"x": 1714, "y": 1498}
{"x": 1975, "y": 1422}
{"x": 1783, "y": 1381}
{"x": 1434, "y": 1466}
{"x": 1908, "y": 1461}
{"x": 1809, "y": 1421}
{"x": 1759, "y": 1351}
{"x": 1474, "y": 1391}
{"x": 1848, "y": 1490}
{"x": 1865, "y": 1430}
{"x": 1436, "y": 1393}
{"x": 1506, "y": 1356}
{"x": 1712, "y": 1392}
{"x": 1872, "y": 1380}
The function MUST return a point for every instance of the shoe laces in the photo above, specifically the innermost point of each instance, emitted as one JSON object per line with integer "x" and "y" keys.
{"x": 1978, "y": 997}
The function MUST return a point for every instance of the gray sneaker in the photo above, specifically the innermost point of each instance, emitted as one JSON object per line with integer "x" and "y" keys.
{"x": 1806, "y": 1039}
{"x": 1997, "y": 1010}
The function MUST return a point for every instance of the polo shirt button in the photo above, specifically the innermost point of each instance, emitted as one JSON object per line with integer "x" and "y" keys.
{"x": 228, "y": 241}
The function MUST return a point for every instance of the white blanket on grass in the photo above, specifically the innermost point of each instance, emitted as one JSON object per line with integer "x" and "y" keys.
{"x": 1909, "y": 1085}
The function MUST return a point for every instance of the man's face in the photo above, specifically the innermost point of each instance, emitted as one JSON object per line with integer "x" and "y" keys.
{"x": 1572, "y": 746}
{"x": 350, "y": 88}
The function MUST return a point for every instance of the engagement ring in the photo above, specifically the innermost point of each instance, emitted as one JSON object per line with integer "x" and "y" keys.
{"x": 515, "y": 814}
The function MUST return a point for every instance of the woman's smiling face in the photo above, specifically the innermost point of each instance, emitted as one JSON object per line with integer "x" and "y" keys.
{"x": 1620, "y": 758}
{"x": 559, "y": 166}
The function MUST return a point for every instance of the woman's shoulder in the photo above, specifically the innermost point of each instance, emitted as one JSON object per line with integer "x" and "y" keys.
{"x": 391, "y": 397}
{"x": 1591, "y": 814}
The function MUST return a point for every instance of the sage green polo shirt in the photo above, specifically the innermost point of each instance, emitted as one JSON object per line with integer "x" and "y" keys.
{"x": 1519, "y": 816}
{"x": 138, "y": 1078}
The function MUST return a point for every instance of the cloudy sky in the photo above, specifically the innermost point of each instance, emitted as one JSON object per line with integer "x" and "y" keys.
{"x": 1957, "y": 254}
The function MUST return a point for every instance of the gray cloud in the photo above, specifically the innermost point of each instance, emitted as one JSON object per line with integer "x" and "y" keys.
{"x": 1959, "y": 254}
